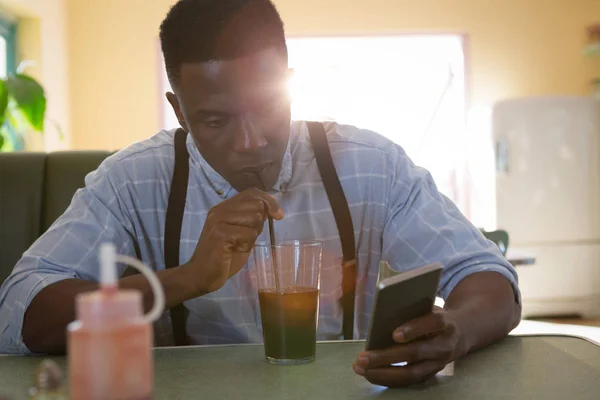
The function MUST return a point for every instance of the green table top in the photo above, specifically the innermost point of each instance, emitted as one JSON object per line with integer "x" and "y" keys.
{"x": 540, "y": 367}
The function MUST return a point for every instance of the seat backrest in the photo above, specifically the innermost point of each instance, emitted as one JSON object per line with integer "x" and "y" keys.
{"x": 35, "y": 189}
{"x": 21, "y": 196}
{"x": 65, "y": 173}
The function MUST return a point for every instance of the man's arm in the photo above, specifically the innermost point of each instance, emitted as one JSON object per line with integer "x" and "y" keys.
{"x": 44, "y": 331}
{"x": 485, "y": 310}
{"x": 227, "y": 238}
{"x": 479, "y": 286}
{"x": 37, "y": 300}
{"x": 479, "y": 311}
{"x": 424, "y": 227}
{"x": 66, "y": 252}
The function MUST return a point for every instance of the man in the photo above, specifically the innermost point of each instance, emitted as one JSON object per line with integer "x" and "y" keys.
{"x": 227, "y": 64}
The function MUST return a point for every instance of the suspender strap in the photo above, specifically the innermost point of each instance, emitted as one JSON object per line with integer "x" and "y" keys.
{"x": 343, "y": 220}
{"x": 174, "y": 220}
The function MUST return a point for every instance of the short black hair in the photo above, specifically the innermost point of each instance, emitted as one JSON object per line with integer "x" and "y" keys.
{"x": 213, "y": 30}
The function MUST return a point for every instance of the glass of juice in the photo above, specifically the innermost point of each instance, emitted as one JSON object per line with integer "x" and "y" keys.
{"x": 288, "y": 282}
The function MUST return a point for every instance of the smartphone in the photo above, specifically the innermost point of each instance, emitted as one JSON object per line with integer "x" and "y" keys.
{"x": 400, "y": 299}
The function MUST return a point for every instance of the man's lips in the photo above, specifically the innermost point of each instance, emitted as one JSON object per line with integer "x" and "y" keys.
{"x": 256, "y": 169}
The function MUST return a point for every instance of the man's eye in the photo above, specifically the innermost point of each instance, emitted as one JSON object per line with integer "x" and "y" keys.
{"x": 216, "y": 122}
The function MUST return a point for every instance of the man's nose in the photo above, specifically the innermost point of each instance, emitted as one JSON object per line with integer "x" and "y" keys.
{"x": 249, "y": 137}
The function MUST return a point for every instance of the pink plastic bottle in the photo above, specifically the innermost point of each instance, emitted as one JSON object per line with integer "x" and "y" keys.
{"x": 110, "y": 343}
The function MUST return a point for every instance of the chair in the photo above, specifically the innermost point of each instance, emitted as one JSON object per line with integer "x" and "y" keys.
{"x": 499, "y": 237}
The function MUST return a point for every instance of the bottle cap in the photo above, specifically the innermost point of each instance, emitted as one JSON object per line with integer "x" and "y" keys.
{"x": 108, "y": 267}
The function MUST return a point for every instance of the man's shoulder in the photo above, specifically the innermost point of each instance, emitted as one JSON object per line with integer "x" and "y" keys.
{"x": 354, "y": 138}
{"x": 149, "y": 159}
{"x": 348, "y": 138}
{"x": 353, "y": 147}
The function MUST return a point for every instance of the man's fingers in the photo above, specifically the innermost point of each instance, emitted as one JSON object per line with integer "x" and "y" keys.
{"x": 403, "y": 376}
{"x": 422, "y": 327}
{"x": 248, "y": 204}
{"x": 238, "y": 260}
{"x": 239, "y": 239}
{"x": 413, "y": 352}
{"x": 273, "y": 208}
{"x": 248, "y": 219}
{"x": 252, "y": 199}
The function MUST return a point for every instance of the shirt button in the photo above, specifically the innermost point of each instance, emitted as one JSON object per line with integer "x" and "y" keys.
{"x": 220, "y": 192}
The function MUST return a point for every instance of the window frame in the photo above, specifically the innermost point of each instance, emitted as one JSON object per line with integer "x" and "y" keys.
{"x": 8, "y": 30}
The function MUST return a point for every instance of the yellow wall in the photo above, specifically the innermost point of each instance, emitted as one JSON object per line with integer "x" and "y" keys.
{"x": 593, "y": 63}
{"x": 516, "y": 48}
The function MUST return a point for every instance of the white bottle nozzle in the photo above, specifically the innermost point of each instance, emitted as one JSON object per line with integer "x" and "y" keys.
{"x": 108, "y": 276}
{"x": 108, "y": 267}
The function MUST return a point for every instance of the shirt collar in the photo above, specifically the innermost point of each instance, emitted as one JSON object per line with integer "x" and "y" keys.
{"x": 220, "y": 184}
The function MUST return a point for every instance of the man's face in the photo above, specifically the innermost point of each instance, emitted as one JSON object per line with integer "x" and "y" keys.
{"x": 238, "y": 112}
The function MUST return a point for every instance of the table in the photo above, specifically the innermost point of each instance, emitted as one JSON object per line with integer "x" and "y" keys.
{"x": 544, "y": 367}
{"x": 518, "y": 257}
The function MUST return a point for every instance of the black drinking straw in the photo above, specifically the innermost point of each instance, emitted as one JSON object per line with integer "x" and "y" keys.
{"x": 272, "y": 237}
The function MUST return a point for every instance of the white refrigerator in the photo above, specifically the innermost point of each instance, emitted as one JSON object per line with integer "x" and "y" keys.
{"x": 548, "y": 199}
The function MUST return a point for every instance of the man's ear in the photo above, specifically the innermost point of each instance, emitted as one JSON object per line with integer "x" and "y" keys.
{"x": 174, "y": 101}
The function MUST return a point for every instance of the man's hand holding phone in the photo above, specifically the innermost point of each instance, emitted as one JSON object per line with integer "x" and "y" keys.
{"x": 426, "y": 344}
{"x": 407, "y": 329}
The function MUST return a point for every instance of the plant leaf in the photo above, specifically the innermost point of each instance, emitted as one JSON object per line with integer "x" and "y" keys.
{"x": 1, "y": 141}
{"x": 30, "y": 98}
{"x": 3, "y": 104}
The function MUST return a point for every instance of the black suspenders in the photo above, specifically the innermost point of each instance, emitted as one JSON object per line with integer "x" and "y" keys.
{"x": 343, "y": 220}
{"x": 337, "y": 200}
{"x": 174, "y": 219}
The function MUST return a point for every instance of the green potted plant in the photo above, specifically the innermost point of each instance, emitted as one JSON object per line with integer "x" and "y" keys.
{"x": 22, "y": 109}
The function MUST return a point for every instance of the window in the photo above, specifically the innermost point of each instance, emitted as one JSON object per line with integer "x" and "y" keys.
{"x": 409, "y": 88}
{"x": 7, "y": 46}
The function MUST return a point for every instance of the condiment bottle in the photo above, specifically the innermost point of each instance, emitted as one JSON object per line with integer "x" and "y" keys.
{"x": 110, "y": 343}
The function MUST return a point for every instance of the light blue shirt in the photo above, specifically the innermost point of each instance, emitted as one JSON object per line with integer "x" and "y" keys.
{"x": 398, "y": 216}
